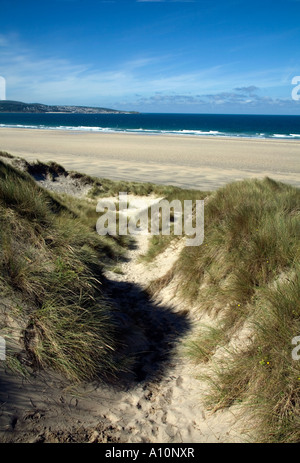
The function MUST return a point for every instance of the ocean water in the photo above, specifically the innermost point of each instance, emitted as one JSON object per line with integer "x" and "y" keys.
{"x": 212, "y": 125}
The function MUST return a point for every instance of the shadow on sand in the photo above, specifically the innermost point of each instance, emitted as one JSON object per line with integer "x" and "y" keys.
{"x": 46, "y": 407}
{"x": 150, "y": 332}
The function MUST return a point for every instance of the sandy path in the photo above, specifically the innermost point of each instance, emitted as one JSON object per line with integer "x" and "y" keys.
{"x": 170, "y": 410}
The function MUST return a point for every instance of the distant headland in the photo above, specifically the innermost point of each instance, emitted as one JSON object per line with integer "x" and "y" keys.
{"x": 9, "y": 106}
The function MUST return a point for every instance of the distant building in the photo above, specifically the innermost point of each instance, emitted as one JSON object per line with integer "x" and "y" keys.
{"x": 2, "y": 88}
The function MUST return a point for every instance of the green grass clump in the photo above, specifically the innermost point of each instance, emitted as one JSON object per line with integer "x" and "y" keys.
{"x": 251, "y": 235}
{"x": 247, "y": 272}
{"x": 264, "y": 375}
{"x": 51, "y": 258}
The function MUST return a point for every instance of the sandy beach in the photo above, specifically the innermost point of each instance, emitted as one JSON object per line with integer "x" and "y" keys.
{"x": 186, "y": 161}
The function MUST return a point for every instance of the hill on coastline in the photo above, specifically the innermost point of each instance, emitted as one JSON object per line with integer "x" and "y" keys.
{"x": 9, "y": 106}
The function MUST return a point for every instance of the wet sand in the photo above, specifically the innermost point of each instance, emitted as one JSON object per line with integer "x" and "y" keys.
{"x": 191, "y": 162}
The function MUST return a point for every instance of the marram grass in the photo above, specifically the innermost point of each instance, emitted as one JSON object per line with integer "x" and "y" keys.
{"x": 247, "y": 270}
{"x": 51, "y": 259}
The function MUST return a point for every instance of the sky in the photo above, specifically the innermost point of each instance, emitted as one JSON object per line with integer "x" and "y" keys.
{"x": 192, "y": 56}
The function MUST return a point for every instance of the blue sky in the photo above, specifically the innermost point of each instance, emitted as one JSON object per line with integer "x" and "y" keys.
{"x": 200, "y": 56}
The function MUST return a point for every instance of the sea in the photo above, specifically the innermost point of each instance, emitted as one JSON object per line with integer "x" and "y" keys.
{"x": 197, "y": 125}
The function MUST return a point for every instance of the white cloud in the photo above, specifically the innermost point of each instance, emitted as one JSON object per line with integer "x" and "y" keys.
{"x": 222, "y": 102}
{"x": 54, "y": 80}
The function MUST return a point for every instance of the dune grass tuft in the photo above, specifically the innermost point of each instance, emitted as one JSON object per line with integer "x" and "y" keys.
{"x": 247, "y": 271}
{"x": 52, "y": 258}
